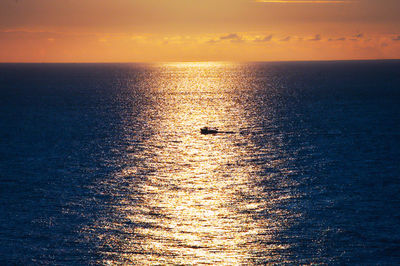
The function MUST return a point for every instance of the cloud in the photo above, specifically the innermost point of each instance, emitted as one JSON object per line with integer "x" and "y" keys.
{"x": 397, "y": 38}
{"x": 287, "y": 39}
{"x": 265, "y": 39}
{"x": 337, "y": 39}
{"x": 316, "y": 38}
{"x": 232, "y": 36}
{"x": 237, "y": 40}
{"x": 212, "y": 41}
{"x": 357, "y": 37}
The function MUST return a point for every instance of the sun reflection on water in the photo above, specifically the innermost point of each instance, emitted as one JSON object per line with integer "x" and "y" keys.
{"x": 193, "y": 197}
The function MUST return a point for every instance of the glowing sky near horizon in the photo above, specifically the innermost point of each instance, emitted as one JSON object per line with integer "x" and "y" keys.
{"x": 305, "y": 1}
{"x": 207, "y": 30}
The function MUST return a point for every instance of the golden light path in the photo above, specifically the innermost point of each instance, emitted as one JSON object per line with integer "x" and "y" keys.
{"x": 197, "y": 204}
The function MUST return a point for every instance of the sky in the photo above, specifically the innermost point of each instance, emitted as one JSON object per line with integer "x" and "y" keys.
{"x": 198, "y": 30}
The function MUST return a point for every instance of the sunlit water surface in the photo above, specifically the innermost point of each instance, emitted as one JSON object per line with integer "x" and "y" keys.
{"x": 106, "y": 164}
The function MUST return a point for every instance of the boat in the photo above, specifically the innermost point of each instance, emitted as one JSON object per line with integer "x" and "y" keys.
{"x": 209, "y": 130}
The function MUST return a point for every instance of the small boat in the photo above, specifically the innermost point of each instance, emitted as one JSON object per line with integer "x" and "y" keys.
{"x": 209, "y": 130}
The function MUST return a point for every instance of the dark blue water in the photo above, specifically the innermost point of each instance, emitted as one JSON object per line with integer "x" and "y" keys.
{"x": 104, "y": 163}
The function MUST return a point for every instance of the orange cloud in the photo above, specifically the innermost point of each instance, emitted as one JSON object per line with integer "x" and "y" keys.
{"x": 316, "y": 38}
{"x": 287, "y": 39}
{"x": 265, "y": 39}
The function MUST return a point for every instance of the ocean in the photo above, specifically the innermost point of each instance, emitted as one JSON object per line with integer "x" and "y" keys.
{"x": 105, "y": 163}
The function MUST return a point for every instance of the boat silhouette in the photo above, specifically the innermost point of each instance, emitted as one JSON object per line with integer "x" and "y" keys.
{"x": 213, "y": 130}
{"x": 209, "y": 130}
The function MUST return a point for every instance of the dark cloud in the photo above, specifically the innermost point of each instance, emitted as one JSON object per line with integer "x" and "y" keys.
{"x": 384, "y": 44}
{"x": 396, "y": 38}
{"x": 265, "y": 39}
{"x": 287, "y": 39}
{"x": 337, "y": 39}
{"x": 357, "y": 37}
{"x": 316, "y": 38}
{"x": 232, "y": 36}
{"x": 212, "y": 41}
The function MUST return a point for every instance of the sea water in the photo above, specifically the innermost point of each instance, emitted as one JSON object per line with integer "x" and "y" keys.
{"x": 105, "y": 163}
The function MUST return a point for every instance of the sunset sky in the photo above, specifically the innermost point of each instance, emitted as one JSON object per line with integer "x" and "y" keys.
{"x": 197, "y": 30}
